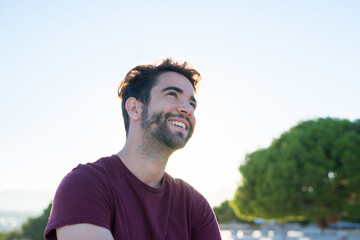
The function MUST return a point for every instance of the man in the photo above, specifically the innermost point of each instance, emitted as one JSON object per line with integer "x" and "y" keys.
{"x": 129, "y": 195}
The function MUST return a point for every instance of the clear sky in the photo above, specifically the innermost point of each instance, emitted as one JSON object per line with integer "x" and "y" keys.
{"x": 266, "y": 65}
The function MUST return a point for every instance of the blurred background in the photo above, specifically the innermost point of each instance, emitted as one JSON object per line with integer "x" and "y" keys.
{"x": 266, "y": 66}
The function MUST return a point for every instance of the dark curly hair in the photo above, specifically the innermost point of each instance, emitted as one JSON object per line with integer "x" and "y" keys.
{"x": 139, "y": 81}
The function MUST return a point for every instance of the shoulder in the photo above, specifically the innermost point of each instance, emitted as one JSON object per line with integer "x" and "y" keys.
{"x": 182, "y": 189}
{"x": 89, "y": 180}
{"x": 95, "y": 171}
{"x": 100, "y": 166}
{"x": 83, "y": 196}
{"x": 203, "y": 221}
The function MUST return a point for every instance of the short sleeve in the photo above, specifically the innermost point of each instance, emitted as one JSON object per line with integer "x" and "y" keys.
{"x": 204, "y": 223}
{"x": 83, "y": 196}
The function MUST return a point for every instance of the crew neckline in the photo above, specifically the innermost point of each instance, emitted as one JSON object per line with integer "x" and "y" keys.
{"x": 135, "y": 180}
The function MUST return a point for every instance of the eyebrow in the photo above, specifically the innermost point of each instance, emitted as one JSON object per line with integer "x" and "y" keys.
{"x": 176, "y": 89}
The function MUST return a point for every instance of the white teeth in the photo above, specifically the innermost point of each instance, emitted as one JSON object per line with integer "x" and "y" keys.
{"x": 180, "y": 124}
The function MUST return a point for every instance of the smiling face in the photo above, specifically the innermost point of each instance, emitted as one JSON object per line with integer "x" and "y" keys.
{"x": 169, "y": 116}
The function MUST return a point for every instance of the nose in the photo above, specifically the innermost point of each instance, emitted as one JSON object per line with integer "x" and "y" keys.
{"x": 186, "y": 109}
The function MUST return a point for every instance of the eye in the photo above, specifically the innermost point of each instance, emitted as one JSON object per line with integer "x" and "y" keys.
{"x": 193, "y": 105}
{"x": 172, "y": 94}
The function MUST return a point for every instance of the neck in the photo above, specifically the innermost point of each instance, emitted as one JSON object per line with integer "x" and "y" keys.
{"x": 146, "y": 159}
{"x": 152, "y": 150}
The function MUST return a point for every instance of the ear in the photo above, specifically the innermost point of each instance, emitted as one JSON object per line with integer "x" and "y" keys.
{"x": 133, "y": 108}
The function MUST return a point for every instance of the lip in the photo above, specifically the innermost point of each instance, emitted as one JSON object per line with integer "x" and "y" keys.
{"x": 182, "y": 120}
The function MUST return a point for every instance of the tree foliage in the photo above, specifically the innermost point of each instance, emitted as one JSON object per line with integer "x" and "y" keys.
{"x": 33, "y": 228}
{"x": 224, "y": 213}
{"x": 12, "y": 235}
{"x": 310, "y": 172}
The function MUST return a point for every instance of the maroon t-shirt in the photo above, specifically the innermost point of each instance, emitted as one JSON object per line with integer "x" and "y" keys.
{"x": 105, "y": 193}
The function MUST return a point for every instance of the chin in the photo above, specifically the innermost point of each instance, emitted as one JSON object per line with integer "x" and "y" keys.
{"x": 175, "y": 145}
{"x": 176, "y": 142}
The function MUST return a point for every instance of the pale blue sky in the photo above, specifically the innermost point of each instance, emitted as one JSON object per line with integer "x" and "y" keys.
{"x": 266, "y": 65}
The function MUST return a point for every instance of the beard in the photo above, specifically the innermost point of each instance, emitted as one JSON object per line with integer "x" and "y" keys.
{"x": 156, "y": 127}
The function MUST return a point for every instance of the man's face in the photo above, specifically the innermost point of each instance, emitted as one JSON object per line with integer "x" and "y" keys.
{"x": 169, "y": 116}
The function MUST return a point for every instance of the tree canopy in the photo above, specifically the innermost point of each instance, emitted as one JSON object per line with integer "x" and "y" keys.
{"x": 311, "y": 172}
{"x": 34, "y": 228}
{"x": 224, "y": 213}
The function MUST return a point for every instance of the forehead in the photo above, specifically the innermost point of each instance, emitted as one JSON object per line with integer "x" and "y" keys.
{"x": 174, "y": 79}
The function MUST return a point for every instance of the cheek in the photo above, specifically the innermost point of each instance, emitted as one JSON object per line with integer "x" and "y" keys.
{"x": 193, "y": 121}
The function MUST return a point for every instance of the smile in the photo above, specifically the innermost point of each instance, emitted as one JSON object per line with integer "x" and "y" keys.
{"x": 177, "y": 123}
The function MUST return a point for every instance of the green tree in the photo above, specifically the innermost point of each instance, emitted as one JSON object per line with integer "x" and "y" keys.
{"x": 311, "y": 172}
{"x": 224, "y": 213}
{"x": 12, "y": 235}
{"x": 33, "y": 228}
